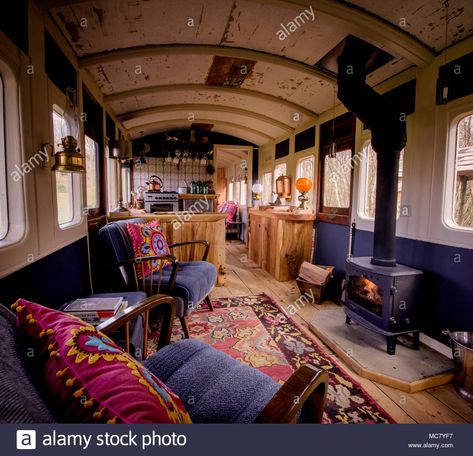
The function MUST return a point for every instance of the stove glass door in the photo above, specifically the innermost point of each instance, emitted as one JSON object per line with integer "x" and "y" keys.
{"x": 366, "y": 293}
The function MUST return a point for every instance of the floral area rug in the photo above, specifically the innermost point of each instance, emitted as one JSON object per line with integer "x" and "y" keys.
{"x": 256, "y": 331}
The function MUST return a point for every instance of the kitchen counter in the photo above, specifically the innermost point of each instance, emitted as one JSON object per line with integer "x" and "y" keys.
{"x": 185, "y": 226}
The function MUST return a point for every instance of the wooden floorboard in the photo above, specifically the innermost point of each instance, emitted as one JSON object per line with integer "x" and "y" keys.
{"x": 436, "y": 405}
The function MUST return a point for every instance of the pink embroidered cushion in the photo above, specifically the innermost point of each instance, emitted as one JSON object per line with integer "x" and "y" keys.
{"x": 89, "y": 378}
{"x": 148, "y": 240}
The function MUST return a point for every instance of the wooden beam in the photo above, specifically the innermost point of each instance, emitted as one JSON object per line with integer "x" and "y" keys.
{"x": 46, "y": 4}
{"x": 205, "y": 107}
{"x": 162, "y": 123}
{"x": 142, "y": 52}
{"x": 368, "y": 26}
{"x": 152, "y": 90}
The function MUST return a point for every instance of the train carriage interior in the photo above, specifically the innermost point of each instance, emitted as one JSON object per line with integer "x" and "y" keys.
{"x": 209, "y": 208}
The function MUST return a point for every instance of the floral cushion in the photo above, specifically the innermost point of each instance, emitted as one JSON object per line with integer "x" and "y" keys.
{"x": 148, "y": 240}
{"x": 87, "y": 377}
{"x": 229, "y": 208}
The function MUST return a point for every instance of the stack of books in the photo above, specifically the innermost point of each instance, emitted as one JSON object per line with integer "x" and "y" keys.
{"x": 96, "y": 310}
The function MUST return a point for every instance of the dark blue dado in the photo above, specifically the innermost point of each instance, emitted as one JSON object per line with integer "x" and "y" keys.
{"x": 51, "y": 281}
{"x": 448, "y": 285}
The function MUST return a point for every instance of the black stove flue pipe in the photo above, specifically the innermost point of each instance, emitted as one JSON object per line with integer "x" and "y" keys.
{"x": 388, "y": 138}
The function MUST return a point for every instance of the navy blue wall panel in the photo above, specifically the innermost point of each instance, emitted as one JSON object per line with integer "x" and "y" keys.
{"x": 52, "y": 280}
{"x": 448, "y": 273}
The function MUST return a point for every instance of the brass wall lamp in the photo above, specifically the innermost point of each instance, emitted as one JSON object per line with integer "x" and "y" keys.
{"x": 69, "y": 159}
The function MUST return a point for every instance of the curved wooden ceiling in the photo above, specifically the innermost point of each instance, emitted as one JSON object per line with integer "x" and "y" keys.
{"x": 152, "y": 59}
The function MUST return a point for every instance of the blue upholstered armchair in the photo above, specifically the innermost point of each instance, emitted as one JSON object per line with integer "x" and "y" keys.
{"x": 189, "y": 282}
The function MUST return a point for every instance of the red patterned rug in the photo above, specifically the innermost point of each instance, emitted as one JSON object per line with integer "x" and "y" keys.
{"x": 256, "y": 331}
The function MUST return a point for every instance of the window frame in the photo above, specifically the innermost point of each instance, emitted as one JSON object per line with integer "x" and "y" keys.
{"x": 270, "y": 188}
{"x": 362, "y": 182}
{"x": 58, "y": 98}
{"x": 449, "y": 192}
{"x": 300, "y": 159}
{"x": 14, "y": 155}
{"x": 4, "y": 226}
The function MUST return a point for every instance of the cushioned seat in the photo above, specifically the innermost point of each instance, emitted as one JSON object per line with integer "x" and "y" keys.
{"x": 194, "y": 279}
{"x": 214, "y": 387}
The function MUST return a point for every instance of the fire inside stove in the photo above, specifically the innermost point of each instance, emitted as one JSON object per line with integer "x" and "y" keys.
{"x": 367, "y": 294}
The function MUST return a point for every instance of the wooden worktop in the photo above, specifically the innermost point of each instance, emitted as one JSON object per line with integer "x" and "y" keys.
{"x": 283, "y": 215}
{"x": 184, "y": 216}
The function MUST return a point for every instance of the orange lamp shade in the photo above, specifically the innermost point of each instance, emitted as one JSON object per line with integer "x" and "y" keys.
{"x": 303, "y": 184}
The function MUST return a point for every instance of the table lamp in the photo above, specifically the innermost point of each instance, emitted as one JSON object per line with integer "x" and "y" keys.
{"x": 303, "y": 185}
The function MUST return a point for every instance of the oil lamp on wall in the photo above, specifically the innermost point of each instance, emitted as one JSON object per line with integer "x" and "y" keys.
{"x": 69, "y": 160}
{"x": 303, "y": 185}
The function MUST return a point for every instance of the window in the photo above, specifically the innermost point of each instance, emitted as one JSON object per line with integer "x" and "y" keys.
{"x": 336, "y": 163}
{"x": 267, "y": 187}
{"x": 230, "y": 191}
{"x": 64, "y": 181}
{"x": 3, "y": 172}
{"x": 368, "y": 182}
{"x": 305, "y": 168}
{"x": 14, "y": 171}
{"x": 337, "y": 181}
{"x": 92, "y": 173}
{"x": 243, "y": 192}
{"x": 279, "y": 170}
{"x": 236, "y": 191}
{"x": 462, "y": 194}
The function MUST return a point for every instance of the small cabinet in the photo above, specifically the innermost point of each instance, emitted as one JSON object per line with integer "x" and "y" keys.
{"x": 280, "y": 241}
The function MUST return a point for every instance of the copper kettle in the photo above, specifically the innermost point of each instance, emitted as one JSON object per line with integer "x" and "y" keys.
{"x": 155, "y": 183}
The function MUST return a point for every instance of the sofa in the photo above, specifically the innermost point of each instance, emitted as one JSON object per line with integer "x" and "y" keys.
{"x": 214, "y": 387}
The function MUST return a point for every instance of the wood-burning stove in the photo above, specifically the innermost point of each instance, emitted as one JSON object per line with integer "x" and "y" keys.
{"x": 383, "y": 299}
{"x": 381, "y": 294}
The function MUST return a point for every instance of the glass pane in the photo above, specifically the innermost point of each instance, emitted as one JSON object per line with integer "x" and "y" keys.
{"x": 279, "y": 170}
{"x": 463, "y": 207}
{"x": 306, "y": 169}
{"x": 64, "y": 190}
{"x": 243, "y": 193}
{"x": 267, "y": 187}
{"x": 3, "y": 173}
{"x": 92, "y": 172}
{"x": 337, "y": 180}
{"x": 370, "y": 163}
{"x": 230, "y": 191}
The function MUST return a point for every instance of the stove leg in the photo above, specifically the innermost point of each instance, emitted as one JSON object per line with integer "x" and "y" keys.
{"x": 391, "y": 344}
{"x": 347, "y": 320}
{"x": 415, "y": 340}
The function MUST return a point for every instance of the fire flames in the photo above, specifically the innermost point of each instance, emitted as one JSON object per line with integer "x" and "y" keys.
{"x": 367, "y": 290}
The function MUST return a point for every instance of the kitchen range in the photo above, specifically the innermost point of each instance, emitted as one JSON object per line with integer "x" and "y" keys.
{"x": 159, "y": 201}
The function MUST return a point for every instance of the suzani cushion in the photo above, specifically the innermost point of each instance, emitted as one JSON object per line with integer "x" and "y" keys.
{"x": 87, "y": 377}
{"x": 148, "y": 240}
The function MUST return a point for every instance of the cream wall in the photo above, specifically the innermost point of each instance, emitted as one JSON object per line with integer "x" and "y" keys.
{"x": 37, "y": 94}
{"x": 425, "y": 162}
